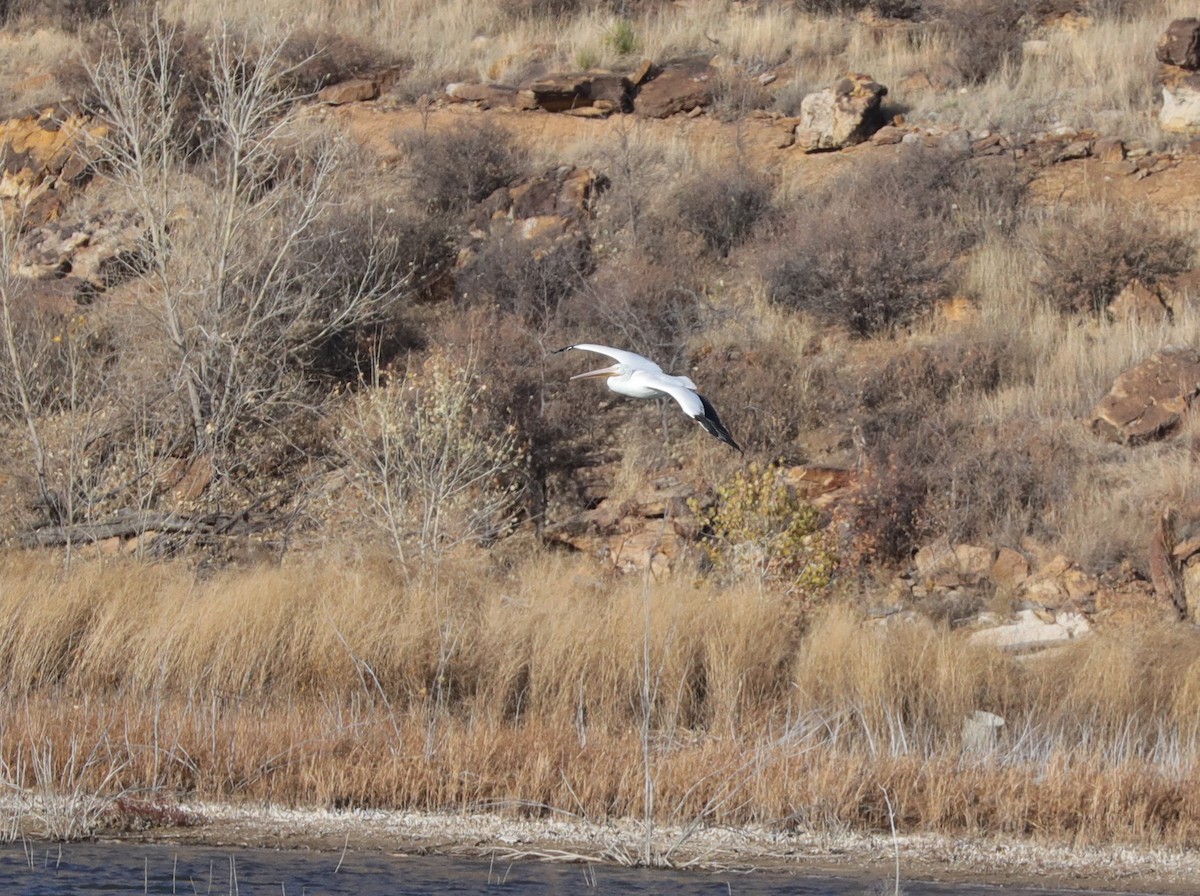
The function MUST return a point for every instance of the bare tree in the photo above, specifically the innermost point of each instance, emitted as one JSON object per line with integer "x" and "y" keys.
{"x": 431, "y": 461}
{"x": 246, "y": 255}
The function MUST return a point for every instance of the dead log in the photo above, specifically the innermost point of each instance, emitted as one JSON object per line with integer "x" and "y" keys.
{"x": 132, "y": 523}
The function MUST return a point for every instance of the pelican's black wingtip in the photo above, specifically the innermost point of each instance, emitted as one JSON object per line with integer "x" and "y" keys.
{"x": 714, "y": 427}
{"x": 559, "y": 351}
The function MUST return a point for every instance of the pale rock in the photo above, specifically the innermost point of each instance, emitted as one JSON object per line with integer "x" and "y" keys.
{"x": 1137, "y": 303}
{"x": 934, "y": 558}
{"x": 1180, "y": 112}
{"x": 974, "y": 561}
{"x": 1028, "y": 631}
{"x": 842, "y": 115}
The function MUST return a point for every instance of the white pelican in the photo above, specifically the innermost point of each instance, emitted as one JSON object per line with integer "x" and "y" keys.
{"x": 638, "y": 377}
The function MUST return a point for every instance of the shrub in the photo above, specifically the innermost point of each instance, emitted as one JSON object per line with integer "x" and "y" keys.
{"x": 950, "y": 475}
{"x": 314, "y": 59}
{"x": 774, "y": 390}
{"x": 898, "y": 396}
{"x": 722, "y": 209}
{"x": 984, "y": 35}
{"x": 757, "y": 524}
{"x": 892, "y": 9}
{"x": 1091, "y": 254}
{"x": 257, "y": 277}
{"x": 932, "y": 467}
{"x": 59, "y": 13}
{"x": 163, "y": 67}
{"x": 621, "y": 37}
{"x": 887, "y": 237}
{"x": 525, "y": 278}
{"x": 437, "y": 466}
{"x": 455, "y": 169}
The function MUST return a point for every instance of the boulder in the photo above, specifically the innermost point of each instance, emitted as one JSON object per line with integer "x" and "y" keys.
{"x": 1009, "y": 570}
{"x": 842, "y": 115}
{"x": 1109, "y": 149}
{"x": 1149, "y": 401}
{"x": 1180, "y": 112}
{"x": 356, "y": 90}
{"x": 974, "y": 561}
{"x": 681, "y": 87}
{"x": 935, "y": 558}
{"x": 1179, "y": 45}
{"x": 604, "y": 92}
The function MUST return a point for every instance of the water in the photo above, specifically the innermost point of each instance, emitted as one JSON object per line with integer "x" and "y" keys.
{"x": 39, "y": 869}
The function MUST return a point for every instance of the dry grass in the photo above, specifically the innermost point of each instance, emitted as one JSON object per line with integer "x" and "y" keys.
{"x": 1085, "y": 77}
{"x": 317, "y": 685}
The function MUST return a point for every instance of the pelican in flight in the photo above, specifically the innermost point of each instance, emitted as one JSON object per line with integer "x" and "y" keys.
{"x": 638, "y": 377}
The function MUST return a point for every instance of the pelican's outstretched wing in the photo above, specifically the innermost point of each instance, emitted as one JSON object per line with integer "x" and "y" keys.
{"x": 698, "y": 408}
{"x": 630, "y": 359}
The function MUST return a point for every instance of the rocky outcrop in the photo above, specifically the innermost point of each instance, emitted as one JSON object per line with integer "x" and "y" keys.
{"x": 1149, "y": 401}
{"x": 1179, "y": 76}
{"x": 647, "y": 530}
{"x": 96, "y": 252}
{"x": 653, "y": 526}
{"x": 682, "y": 87}
{"x": 842, "y": 115}
{"x": 44, "y": 155}
{"x": 549, "y": 208}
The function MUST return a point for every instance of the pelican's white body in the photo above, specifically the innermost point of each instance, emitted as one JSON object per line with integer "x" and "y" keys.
{"x": 637, "y": 377}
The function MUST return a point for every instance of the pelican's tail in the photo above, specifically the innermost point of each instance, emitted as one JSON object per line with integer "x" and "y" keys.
{"x": 713, "y": 426}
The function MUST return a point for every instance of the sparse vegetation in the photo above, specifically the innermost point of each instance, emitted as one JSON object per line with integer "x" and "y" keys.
{"x": 329, "y": 344}
{"x": 723, "y": 209}
{"x": 453, "y": 171}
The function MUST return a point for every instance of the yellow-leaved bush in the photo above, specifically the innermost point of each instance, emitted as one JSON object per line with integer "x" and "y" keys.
{"x": 757, "y": 524}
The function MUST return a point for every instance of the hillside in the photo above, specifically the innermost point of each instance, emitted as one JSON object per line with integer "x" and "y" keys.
{"x": 285, "y": 435}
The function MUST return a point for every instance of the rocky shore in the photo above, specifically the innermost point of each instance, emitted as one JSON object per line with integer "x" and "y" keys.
{"x": 1010, "y": 863}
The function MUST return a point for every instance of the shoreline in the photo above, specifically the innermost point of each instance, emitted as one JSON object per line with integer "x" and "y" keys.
{"x": 872, "y": 858}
